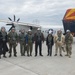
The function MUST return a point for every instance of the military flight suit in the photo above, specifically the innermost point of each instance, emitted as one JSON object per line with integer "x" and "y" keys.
{"x": 68, "y": 42}
{"x": 49, "y": 43}
{"x": 30, "y": 44}
{"x": 22, "y": 43}
{"x": 13, "y": 40}
{"x": 59, "y": 40}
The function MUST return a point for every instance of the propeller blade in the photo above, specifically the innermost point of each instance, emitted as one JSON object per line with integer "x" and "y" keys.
{"x": 18, "y": 19}
{"x": 14, "y": 18}
{"x": 9, "y": 18}
{"x": 10, "y": 28}
{"x": 8, "y": 24}
{"x": 13, "y": 25}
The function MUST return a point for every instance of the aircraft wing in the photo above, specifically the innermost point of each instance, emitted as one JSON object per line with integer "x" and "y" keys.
{"x": 21, "y": 23}
{"x": 28, "y": 24}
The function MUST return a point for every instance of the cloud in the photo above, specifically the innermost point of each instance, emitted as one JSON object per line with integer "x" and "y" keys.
{"x": 46, "y": 11}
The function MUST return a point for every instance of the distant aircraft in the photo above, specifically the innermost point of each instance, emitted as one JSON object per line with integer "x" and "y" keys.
{"x": 53, "y": 28}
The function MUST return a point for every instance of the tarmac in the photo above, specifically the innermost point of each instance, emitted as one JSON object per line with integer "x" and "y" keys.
{"x": 46, "y": 65}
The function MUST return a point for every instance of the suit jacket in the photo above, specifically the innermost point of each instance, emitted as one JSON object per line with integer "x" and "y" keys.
{"x": 36, "y": 37}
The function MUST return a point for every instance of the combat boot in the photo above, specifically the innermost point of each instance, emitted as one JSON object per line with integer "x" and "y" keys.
{"x": 15, "y": 55}
{"x": 47, "y": 54}
{"x": 23, "y": 54}
{"x": 35, "y": 55}
{"x": 41, "y": 55}
{"x": 4, "y": 56}
{"x": 9, "y": 55}
{"x": 69, "y": 56}
{"x": 61, "y": 55}
{"x": 28, "y": 55}
{"x": 70, "y": 53}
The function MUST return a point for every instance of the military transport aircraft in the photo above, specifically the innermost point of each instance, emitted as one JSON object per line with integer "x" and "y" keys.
{"x": 19, "y": 25}
{"x": 69, "y": 21}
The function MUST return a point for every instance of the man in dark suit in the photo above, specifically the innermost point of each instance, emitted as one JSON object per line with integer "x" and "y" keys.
{"x": 39, "y": 38}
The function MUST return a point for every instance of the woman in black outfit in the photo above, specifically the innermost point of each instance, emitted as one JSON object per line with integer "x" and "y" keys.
{"x": 0, "y": 44}
{"x": 4, "y": 41}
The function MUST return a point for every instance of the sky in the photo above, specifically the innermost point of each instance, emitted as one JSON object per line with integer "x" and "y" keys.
{"x": 42, "y": 12}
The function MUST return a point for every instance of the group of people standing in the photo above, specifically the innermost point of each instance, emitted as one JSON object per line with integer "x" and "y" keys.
{"x": 26, "y": 40}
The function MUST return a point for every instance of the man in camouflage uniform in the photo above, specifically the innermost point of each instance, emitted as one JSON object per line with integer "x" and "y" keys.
{"x": 39, "y": 38}
{"x": 22, "y": 42}
{"x": 13, "y": 40}
{"x": 68, "y": 42}
{"x": 30, "y": 43}
{"x": 59, "y": 40}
